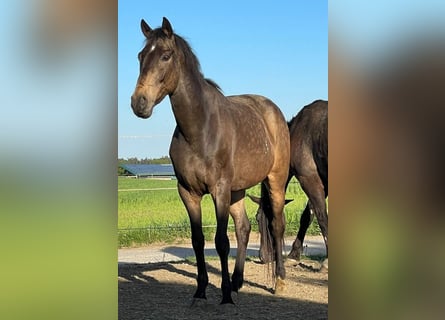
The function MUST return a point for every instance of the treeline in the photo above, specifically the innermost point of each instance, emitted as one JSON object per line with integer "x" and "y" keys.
{"x": 162, "y": 160}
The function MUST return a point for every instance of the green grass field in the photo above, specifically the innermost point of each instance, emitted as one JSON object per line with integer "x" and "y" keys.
{"x": 151, "y": 210}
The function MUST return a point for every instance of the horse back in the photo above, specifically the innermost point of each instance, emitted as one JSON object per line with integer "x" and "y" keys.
{"x": 261, "y": 108}
{"x": 266, "y": 136}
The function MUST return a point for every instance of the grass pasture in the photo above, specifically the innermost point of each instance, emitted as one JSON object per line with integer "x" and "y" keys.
{"x": 151, "y": 210}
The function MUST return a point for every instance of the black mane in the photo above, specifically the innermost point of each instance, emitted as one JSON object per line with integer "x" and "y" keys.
{"x": 213, "y": 84}
{"x": 191, "y": 61}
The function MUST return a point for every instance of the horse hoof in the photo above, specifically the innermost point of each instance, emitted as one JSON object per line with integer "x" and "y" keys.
{"x": 294, "y": 255}
{"x": 324, "y": 266}
{"x": 229, "y": 310}
{"x": 280, "y": 286}
{"x": 289, "y": 262}
{"x": 237, "y": 284}
{"x": 228, "y": 301}
{"x": 198, "y": 303}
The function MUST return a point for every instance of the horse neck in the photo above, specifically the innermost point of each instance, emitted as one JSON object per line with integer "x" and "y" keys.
{"x": 190, "y": 105}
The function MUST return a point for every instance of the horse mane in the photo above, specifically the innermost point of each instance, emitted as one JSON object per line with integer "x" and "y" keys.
{"x": 213, "y": 84}
{"x": 191, "y": 61}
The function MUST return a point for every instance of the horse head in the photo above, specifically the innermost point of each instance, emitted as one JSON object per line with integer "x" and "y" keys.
{"x": 158, "y": 68}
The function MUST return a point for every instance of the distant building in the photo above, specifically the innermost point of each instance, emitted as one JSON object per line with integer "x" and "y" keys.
{"x": 149, "y": 170}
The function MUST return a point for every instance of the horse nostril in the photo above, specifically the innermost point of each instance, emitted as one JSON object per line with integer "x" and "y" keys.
{"x": 138, "y": 101}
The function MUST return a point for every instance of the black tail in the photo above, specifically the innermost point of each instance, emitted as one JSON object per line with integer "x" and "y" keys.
{"x": 264, "y": 217}
{"x": 266, "y": 250}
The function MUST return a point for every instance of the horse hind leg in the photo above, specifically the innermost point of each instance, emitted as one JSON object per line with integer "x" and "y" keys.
{"x": 277, "y": 195}
{"x": 242, "y": 229}
{"x": 313, "y": 187}
{"x": 297, "y": 246}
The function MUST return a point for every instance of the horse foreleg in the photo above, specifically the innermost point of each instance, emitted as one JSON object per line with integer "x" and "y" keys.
{"x": 242, "y": 229}
{"x": 193, "y": 206}
{"x": 221, "y": 197}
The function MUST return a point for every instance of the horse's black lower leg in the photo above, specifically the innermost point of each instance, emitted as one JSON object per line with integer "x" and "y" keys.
{"x": 322, "y": 218}
{"x": 313, "y": 187}
{"x": 242, "y": 237}
{"x": 222, "y": 201}
{"x": 223, "y": 247}
{"x": 242, "y": 229}
{"x": 202, "y": 278}
{"x": 297, "y": 246}
{"x": 193, "y": 206}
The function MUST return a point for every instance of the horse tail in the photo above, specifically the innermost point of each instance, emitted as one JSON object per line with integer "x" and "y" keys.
{"x": 265, "y": 216}
{"x": 267, "y": 249}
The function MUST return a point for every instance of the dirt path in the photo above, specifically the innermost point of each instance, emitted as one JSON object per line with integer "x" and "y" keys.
{"x": 164, "y": 290}
{"x": 314, "y": 245}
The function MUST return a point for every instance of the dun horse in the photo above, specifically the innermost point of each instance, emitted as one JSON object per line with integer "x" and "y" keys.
{"x": 309, "y": 164}
{"x": 221, "y": 145}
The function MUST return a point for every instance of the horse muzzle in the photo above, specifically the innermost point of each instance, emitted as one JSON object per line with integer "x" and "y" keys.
{"x": 141, "y": 106}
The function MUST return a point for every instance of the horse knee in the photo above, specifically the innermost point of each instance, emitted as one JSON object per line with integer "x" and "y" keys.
{"x": 222, "y": 244}
{"x": 198, "y": 241}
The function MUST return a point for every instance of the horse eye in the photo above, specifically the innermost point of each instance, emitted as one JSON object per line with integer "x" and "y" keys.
{"x": 166, "y": 56}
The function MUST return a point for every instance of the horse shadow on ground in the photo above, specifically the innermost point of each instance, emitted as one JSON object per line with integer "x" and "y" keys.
{"x": 143, "y": 296}
{"x": 137, "y": 272}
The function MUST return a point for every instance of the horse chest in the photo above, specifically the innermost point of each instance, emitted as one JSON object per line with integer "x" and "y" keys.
{"x": 193, "y": 169}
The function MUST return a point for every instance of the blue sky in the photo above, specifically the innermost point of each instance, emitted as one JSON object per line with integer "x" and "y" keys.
{"x": 278, "y": 49}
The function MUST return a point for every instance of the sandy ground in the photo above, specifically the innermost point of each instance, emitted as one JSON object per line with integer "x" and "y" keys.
{"x": 156, "y": 282}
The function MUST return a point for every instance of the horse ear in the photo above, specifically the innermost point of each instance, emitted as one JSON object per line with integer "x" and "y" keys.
{"x": 146, "y": 30}
{"x": 167, "y": 27}
{"x": 287, "y": 201}
{"x": 254, "y": 199}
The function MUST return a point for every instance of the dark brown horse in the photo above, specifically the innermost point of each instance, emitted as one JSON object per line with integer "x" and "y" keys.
{"x": 309, "y": 164}
{"x": 221, "y": 145}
